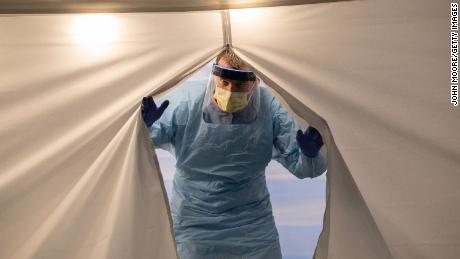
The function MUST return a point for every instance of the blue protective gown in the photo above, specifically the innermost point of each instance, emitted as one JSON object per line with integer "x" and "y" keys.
{"x": 220, "y": 204}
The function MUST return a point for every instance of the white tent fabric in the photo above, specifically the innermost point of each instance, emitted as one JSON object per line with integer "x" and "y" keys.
{"x": 379, "y": 76}
{"x": 77, "y": 178}
{"x": 77, "y": 175}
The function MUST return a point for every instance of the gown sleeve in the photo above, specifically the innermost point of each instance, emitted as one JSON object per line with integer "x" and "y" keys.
{"x": 162, "y": 131}
{"x": 285, "y": 148}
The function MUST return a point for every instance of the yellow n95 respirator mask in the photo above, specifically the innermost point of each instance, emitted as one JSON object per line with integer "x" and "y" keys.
{"x": 231, "y": 101}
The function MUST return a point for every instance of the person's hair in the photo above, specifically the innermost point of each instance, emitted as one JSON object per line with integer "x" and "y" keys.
{"x": 232, "y": 59}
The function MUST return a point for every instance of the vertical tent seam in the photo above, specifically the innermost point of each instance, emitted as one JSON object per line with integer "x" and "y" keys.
{"x": 226, "y": 28}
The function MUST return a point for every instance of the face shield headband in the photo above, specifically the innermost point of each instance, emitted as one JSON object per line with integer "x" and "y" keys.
{"x": 233, "y": 74}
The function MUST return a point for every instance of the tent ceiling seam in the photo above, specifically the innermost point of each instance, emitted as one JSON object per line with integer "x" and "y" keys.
{"x": 124, "y": 6}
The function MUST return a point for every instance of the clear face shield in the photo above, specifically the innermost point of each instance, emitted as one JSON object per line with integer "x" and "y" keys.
{"x": 232, "y": 96}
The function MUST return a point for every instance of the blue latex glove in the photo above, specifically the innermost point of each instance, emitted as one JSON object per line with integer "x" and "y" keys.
{"x": 309, "y": 142}
{"x": 150, "y": 111}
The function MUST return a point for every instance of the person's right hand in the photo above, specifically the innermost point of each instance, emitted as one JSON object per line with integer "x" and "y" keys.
{"x": 310, "y": 142}
{"x": 150, "y": 111}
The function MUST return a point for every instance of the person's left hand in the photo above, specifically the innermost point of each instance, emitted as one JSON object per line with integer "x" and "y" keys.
{"x": 150, "y": 111}
{"x": 309, "y": 142}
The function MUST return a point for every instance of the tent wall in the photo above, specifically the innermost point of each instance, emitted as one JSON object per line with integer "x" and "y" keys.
{"x": 374, "y": 77}
{"x": 77, "y": 178}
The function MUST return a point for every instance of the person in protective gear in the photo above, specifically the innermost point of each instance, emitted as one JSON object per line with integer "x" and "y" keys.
{"x": 223, "y": 136}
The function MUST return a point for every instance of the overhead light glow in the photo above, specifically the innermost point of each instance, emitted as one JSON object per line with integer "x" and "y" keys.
{"x": 95, "y": 31}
